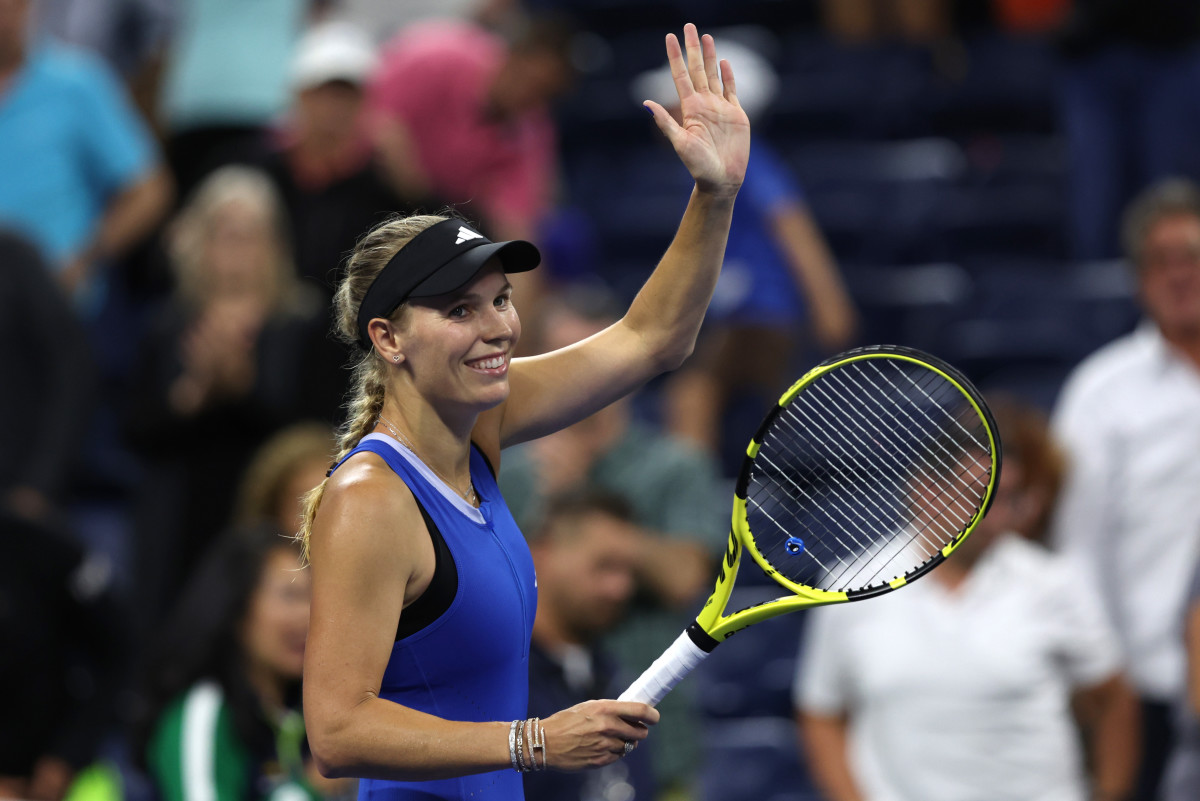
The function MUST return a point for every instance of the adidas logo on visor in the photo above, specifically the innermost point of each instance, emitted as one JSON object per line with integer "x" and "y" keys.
{"x": 465, "y": 233}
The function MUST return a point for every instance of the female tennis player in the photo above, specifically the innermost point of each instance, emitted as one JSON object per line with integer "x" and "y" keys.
{"x": 416, "y": 668}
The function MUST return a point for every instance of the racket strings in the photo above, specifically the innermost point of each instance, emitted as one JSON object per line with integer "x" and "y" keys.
{"x": 866, "y": 552}
{"x": 872, "y": 471}
{"x": 947, "y": 458}
{"x": 941, "y": 462}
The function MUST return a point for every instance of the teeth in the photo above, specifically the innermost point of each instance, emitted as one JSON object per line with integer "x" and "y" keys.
{"x": 491, "y": 364}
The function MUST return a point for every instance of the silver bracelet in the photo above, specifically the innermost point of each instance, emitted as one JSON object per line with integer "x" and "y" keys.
{"x": 521, "y": 766}
{"x": 537, "y": 743}
{"x": 512, "y": 744}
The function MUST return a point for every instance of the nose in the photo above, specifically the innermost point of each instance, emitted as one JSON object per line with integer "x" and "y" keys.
{"x": 501, "y": 324}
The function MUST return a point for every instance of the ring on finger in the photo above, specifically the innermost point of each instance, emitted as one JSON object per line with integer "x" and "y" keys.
{"x": 629, "y": 746}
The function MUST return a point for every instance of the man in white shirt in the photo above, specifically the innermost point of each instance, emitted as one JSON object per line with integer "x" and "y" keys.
{"x": 1129, "y": 418}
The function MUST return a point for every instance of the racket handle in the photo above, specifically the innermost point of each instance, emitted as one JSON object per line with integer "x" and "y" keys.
{"x": 667, "y": 671}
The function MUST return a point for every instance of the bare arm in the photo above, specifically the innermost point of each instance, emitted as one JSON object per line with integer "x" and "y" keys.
{"x": 834, "y": 318}
{"x": 1108, "y": 714}
{"x": 371, "y": 556}
{"x": 551, "y": 391}
{"x": 825, "y": 741}
{"x": 130, "y": 216}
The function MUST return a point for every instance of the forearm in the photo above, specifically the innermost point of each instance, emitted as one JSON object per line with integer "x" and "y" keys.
{"x": 825, "y": 740}
{"x": 1115, "y": 751}
{"x": 130, "y": 217}
{"x": 834, "y": 318}
{"x": 1109, "y": 715}
{"x": 381, "y": 739}
{"x": 668, "y": 310}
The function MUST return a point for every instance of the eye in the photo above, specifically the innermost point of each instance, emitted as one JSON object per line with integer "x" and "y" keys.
{"x": 502, "y": 301}
{"x": 458, "y": 311}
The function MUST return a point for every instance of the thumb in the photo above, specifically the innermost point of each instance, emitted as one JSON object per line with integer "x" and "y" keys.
{"x": 666, "y": 123}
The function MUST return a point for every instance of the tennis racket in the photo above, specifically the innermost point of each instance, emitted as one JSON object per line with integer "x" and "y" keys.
{"x": 869, "y": 472}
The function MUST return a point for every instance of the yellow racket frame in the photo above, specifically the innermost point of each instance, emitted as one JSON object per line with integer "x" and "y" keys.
{"x": 712, "y": 619}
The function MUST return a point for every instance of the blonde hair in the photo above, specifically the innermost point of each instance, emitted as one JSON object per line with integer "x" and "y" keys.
{"x": 369, "y": 377}
{"x": 190, "y": 233}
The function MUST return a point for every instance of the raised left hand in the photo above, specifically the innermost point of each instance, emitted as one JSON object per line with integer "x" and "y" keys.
{"x": 713, "y": 135}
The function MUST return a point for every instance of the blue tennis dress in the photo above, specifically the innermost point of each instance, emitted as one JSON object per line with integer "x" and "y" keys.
{"x": 472, "y": 662}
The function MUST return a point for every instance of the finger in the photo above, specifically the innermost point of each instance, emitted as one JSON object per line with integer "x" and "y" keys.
{"x": 730, "y": 85}
{"x": 679, "y": 70}
{"x": 695, "y": 58}
{"x": 636, "y": 712}
{"x": 708, "y": 47}
{"x": 666, "y": 123}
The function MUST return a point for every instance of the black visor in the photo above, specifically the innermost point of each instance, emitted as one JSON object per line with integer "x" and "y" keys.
{"x": 440, "y": 259}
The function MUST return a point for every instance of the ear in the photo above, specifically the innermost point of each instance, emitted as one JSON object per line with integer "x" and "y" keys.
{"x": 387, "y": 340}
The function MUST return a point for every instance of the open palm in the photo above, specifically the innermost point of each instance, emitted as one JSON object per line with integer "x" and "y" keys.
{"x": 713, "y": 135}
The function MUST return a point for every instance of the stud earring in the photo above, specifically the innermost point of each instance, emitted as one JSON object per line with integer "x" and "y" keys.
{"x": 395, "y": 358}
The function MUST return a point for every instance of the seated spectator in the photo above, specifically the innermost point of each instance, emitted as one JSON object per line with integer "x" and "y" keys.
{"x": 585, "y": 554}
{"x": 285, "y": 469}
{"x": 82, "y": 176}
{"x": 224, "y": 680}
{"x": 972, "y": 682}
{"x": 223, "y": 368}
{"x": 62, "y": 658}
{"x": 680, "y": 510}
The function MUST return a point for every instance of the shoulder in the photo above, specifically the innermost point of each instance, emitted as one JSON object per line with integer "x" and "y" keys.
{"x": 1095, "y": 384}
{"x": 72, "y": 69}
{"x": 1035, "y": 568}
{"x": 195, "y": 714}
{"x": 1110, "y": 365}
{"x": 365, "y": 506}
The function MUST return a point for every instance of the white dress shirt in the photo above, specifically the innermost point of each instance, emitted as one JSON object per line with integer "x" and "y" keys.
{"x": 964, "y": 695}
{"x": 1129, "y": 418}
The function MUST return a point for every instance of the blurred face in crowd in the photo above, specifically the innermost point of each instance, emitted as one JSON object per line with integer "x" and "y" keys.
{"x": 1169, "y": 275}
{"x": 276, "y": 622}
{"x": 530, "y": 80}
{"x": 240, "y": 249}
{"x": 329, "y": 112}
{"x": 1009, "y": 512}
{"x": 587, "y": 574}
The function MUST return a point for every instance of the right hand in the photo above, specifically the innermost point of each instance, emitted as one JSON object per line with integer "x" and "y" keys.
{"x": 593, "y": 734}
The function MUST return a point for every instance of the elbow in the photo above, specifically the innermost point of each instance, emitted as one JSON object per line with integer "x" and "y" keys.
{"x": 671, "y": 356}
{"x": 329, "y": 761}
{"x": 330, "y": 755}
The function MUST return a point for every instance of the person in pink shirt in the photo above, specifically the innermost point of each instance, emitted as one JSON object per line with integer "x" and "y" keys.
{"x": 461, "y": 115}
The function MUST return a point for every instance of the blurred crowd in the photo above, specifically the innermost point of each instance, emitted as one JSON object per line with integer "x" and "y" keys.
{"x": 181, "y": 179}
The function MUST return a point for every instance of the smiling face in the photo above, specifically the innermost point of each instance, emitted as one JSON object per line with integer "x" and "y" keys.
{"x": 1169, "y": 275}
{"x": 276, "y": 622}
{"x": 457, "y": 347}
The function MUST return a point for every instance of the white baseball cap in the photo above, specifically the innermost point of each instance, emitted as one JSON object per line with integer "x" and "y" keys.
{"x": 332, "y": 51}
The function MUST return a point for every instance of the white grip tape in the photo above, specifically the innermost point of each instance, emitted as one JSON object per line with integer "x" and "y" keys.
{"x": 667, "y": 671}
